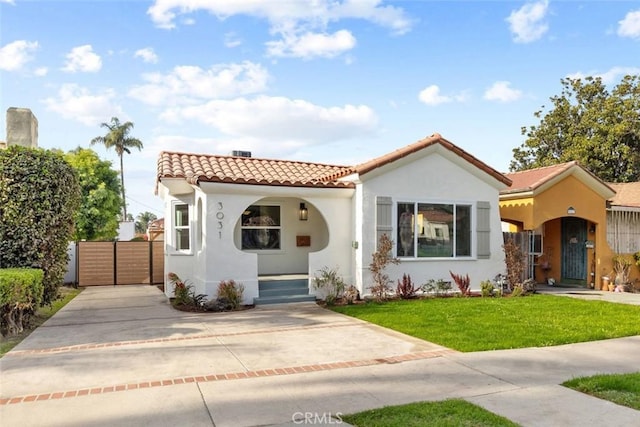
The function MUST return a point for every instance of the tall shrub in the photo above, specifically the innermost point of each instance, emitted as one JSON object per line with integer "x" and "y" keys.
{"x": 39, "y": 196}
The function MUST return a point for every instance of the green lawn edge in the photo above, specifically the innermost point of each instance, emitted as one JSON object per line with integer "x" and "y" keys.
{"x": 444, "y": 413}
{"x": 621, "y": 389}
{"x": 481, "y": 324}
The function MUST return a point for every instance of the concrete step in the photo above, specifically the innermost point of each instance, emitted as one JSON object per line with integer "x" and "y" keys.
{"x": 283, "y": 299}
{"x": 283, "y": 292}
{"x": 283, "y": 284}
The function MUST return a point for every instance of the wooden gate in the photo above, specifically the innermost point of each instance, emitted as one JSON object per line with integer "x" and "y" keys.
{"x": 120, "y": 263}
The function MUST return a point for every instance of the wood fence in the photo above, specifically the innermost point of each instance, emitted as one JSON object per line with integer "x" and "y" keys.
{"x": 120, "y": 263}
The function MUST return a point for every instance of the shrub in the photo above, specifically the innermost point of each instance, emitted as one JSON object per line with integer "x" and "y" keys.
{"x": 463, "y": 283}
{"x": 486, "y": 288}
{"x": 405, "y": 288}
{"x": 636, "y": 257}
{"x": 380, "y": 260}
{"x": 232, "y": 292}
{"x": 437, "y": 287}
{"x": 181, "y": 290}
{"x": 331, "y": 283}
{"x": 21, "y": 292}
{"x": 515, "y": 260}
{"x": 39, "y": 196}
{"x": 351, "y": 294}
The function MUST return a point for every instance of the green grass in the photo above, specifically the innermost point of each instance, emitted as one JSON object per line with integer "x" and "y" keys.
{"x": 451, "y": 412}
{"x": 622, "y": 389}
{"x": 478, "y": 324}
{"x": 41, "y": 316}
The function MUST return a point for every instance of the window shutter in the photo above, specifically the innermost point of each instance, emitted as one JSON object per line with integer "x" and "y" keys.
{"x": 383, "y": 217}
{"x": 483, "y": 227}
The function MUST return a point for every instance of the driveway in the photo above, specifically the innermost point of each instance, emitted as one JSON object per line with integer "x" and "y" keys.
{"x": 123, "y": 356}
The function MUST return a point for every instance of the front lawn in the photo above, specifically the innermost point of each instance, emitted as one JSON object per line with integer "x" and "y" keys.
{"x": 451, "y": 412}
{"x": 478, "y": 324}
{"x": 622, "y": 389}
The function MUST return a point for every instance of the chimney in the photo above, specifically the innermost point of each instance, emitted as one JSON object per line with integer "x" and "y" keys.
{"x": 238, "y": 153}
{"x": 22, "y": 127}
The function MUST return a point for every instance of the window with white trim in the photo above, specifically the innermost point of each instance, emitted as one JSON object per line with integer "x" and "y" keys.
{"x": 433, "y": 230}
{"x": 182, "y": 232}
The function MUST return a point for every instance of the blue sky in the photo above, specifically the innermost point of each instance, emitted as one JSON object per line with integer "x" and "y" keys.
{"x": 331, "y": 81}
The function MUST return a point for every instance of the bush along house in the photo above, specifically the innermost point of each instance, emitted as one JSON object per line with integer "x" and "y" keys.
{"x": 272, "y": 225}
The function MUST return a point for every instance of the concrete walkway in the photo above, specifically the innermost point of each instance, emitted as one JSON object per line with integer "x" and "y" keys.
{"x": 121, "y": 356}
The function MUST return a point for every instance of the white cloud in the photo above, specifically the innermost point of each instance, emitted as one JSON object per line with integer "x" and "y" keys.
{"x": 78, "y": 103}
{"x": 41, "y": 71}
{"x": 186, "y": 84}
{"x": 147, "y": 54}
{"x": 14, "y": 55}
{"x": 608, "y": 77}
{"x": 630, "y": 25}
{"x": 431, "y": 96}
{"x": 527, "y": 23}
{"x": 231, "y": 40}
{"x": 311, "y": 45}
{"x": 82, "y": 58}
{"x": 501, "y": 91}
{"x": 289, "y": 122}
{"x": 300, "y": 25}
{"x": 12, "y": 2}
{"x": 164, "y": 12}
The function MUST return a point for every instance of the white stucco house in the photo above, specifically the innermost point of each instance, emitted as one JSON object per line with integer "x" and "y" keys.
{"x": 256, "y": 220}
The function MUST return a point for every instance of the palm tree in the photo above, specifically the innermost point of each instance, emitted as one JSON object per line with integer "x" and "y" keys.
{"x": 143, "y": 221}
{"x": 118, "y": 138}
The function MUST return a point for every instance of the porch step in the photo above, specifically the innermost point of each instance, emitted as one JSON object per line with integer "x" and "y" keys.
{"x": 283, "y": 299}
{"x": 279, "y": 290}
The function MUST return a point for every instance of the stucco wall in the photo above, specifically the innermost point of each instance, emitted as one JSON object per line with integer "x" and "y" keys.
{"x": 434, "y": 178}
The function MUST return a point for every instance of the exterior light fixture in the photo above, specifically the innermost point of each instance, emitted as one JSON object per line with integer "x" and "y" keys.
{"x": 304, "y": 212}
{"x": 571, "y": 210}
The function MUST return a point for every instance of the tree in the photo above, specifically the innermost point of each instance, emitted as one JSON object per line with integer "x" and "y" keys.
{"x": 118, "y": 138}
{"x": 590, "y": 124}
{"x": 39, "y": 195}
{"x": 143, "y": 221}
{"x": 97, "y": 218}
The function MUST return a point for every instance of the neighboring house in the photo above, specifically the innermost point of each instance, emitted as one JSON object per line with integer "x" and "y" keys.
{"x": 155, "y": 230}
{"x": 244, "y": 218}
{"x": 623, "y": 222}
{"x": 563, "y": 208}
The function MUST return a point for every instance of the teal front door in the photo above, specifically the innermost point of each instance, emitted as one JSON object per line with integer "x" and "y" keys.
{"x": 574, "y": 251}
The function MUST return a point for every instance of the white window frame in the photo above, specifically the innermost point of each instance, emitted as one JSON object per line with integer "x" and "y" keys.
{"x": 175, "y": 227}
{"x": 455, "y": 204}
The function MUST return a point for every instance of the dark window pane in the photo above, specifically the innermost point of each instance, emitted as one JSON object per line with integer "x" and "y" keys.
{"x": 406, "y": 227}
{"x": 463, "y": 230}
{"x": 435, "y": 230}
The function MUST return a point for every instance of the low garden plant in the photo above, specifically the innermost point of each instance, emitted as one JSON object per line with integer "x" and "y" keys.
{"x": 622, "y": 389}
{"x": 406, "y": 289}
{"x": 451, "y": 412}
{"x": 331, "y": 283}
{"x": 21, "y": 292}
{"x": 229, "y": 296}
{"x": 478, "y": 324}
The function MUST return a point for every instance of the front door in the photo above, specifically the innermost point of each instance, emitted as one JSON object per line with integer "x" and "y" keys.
{"x": 574, "y": 252}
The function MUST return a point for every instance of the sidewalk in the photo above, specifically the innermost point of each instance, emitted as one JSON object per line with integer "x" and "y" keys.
{"x": 122, "y": 356}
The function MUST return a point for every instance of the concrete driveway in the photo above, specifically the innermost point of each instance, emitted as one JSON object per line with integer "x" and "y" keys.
{"x": 123, "y": 356}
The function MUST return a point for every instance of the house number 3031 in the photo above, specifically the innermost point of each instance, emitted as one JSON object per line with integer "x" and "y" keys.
{"x": 220, "y": 217}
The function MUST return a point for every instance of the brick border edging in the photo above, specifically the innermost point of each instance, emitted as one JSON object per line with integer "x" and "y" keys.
{"x": 228, "y": 376}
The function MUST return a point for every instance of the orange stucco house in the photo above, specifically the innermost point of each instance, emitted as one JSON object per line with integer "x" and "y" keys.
{"x": 564, "y": 209}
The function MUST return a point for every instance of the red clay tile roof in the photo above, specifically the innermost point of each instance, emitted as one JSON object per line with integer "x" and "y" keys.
{"x": 197, "y": 168}
{"x": 627, "y": 194}
{"x": 436, "y": 138}
{"x": 529, "y": 180}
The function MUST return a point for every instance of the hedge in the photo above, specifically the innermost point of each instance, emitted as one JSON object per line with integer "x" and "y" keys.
{"x": 21, "y": 291}
{"x": 39, "y": 196}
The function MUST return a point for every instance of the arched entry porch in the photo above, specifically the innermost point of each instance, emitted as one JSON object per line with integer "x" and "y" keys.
{"x": 282, "y": 232}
